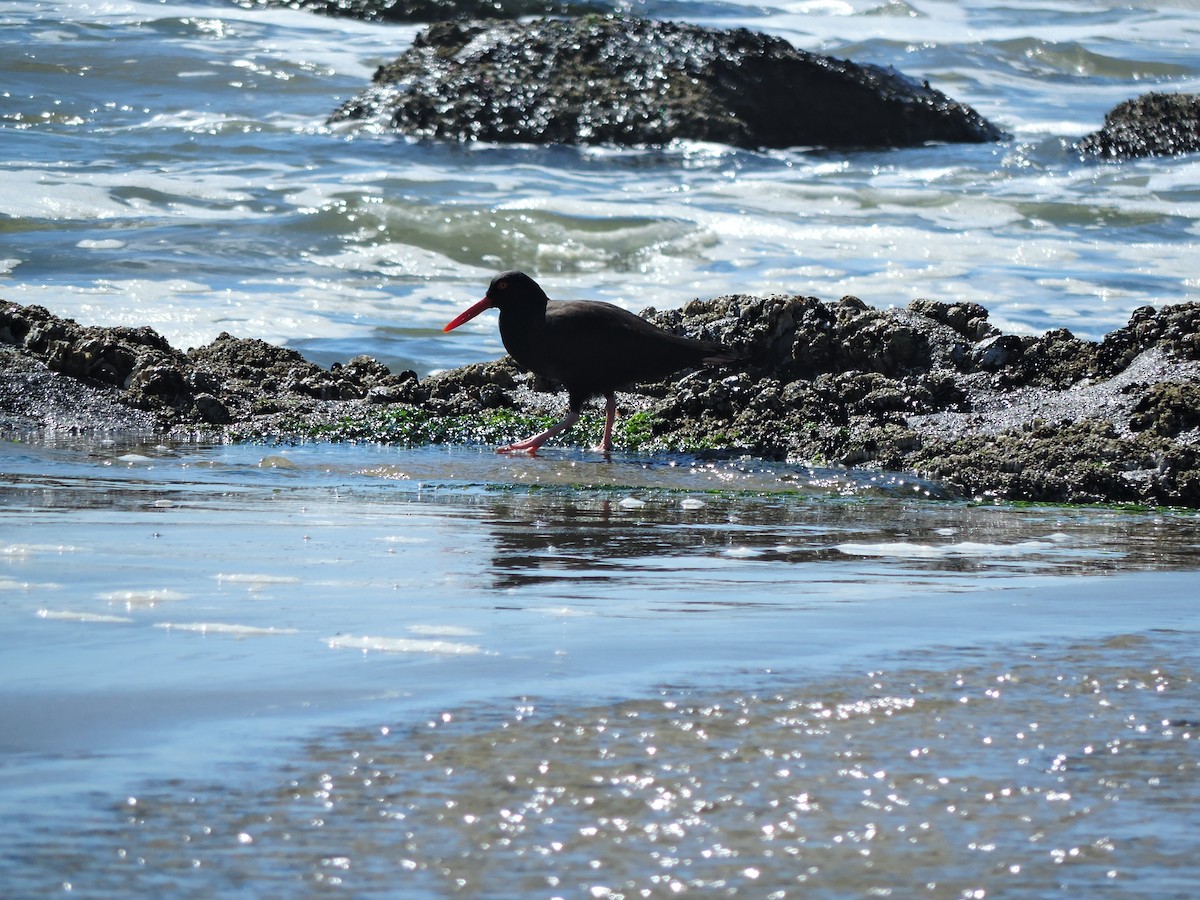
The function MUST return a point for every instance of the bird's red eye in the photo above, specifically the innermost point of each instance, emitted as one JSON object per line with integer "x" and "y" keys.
{"x": 502, "y": 286}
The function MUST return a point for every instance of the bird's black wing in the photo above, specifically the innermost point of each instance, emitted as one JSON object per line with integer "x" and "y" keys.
{"x": 600, "y": 347}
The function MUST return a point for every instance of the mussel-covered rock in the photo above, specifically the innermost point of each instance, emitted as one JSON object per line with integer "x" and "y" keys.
{"x": 1154, "y": 124}
{"x": 932, "y": 388}
{"x": 632, "y": 81}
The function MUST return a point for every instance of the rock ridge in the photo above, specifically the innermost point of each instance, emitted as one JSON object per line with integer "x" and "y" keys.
{"x": 932, "y": 388}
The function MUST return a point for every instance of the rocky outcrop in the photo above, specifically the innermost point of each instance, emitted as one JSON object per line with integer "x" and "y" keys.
{"x": 629, "y": 81}
{"x": 932, "y": 388}
{"x": 136, "y": 369}
{"x": 936, "y": 389}
{"x": 1150, "y": 125}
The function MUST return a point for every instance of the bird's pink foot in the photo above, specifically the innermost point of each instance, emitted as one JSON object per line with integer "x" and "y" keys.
{"x": 531, "y": 444}
{"x": 520, "y": 447}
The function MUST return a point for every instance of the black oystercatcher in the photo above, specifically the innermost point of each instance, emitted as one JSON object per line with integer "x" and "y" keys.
{"x": 589, "y": 346}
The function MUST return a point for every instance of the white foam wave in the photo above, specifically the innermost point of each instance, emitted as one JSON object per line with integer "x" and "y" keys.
{"x": 32, "y": 549}
{"x": 224, "y": 628}
{"x": 442, "y": 630}
{"x": 191, "y": 314}
{"x": 401, "y": 645}
{"x": 905, "y": 550}
{"x": 138, "y": 599}
{"x": 101, "y": 244}
{"x": 66, "y": 615}
{"x": 256, "y": 578}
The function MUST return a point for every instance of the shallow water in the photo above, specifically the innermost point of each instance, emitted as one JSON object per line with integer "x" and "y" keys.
{"x": 264, "y": 669}
{"x": 1025, "y": 771}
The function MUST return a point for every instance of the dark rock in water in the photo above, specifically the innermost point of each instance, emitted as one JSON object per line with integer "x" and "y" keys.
{"x": 471, "y": 388}
{"x": 630, "y": 81}
{"x": 1077, "y": 461}
{"x": 136, "y": 368}
{"x": 1150, "y": 125}
{"x": 34, "y": 396}
{"x": 434, "y": 10}
{"x": 137, "y": 361}
{"x": 262, "y": 374}
{"x": 1051, "y": 417}
{"x": 1175, "y": 328}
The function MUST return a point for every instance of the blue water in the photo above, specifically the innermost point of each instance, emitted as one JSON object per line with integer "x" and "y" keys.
{"x": 280, "y": 671}
{"x": 191, "y": 631}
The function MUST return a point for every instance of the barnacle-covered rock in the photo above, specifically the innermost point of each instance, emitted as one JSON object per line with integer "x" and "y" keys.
{"x": 631, "y": 81}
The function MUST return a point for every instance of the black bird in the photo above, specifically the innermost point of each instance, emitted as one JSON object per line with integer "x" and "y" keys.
{"x": 589, "y": 346}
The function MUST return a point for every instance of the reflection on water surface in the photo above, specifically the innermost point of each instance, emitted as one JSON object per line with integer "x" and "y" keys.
{"x": 1003, "y": 771}
{"x": 276, "y": 670}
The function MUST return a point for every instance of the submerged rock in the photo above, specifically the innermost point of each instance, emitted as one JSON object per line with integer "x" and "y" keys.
{"x": 932, "y": 388}
{"x": 1153, "y": 124}
{"x": 631, "y": 81}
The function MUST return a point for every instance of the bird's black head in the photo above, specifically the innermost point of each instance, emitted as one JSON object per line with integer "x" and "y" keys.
{"x": 514, "y": 290}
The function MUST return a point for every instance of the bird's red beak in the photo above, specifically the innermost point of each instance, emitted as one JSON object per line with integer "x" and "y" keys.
{"x": 468, "y": 314}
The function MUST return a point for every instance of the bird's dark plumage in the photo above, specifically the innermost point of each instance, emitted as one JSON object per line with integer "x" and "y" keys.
{"x": 589, "y": 346}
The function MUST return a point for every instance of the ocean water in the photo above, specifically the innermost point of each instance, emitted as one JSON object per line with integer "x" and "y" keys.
{"x": 169, "y": 164}
{"x": 301, "y": 670}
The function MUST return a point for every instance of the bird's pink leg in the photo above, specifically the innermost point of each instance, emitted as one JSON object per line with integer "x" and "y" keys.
{"x": 531, "y": 444}
{"x": 610, "y": 416}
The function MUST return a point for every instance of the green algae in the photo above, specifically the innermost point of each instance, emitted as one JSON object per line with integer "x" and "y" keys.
{"x": 403, "y": 425}
{"x": 412, "y": 426}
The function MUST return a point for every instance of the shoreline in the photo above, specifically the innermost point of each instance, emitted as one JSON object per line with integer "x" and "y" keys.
{"x": 932, "y": 389}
